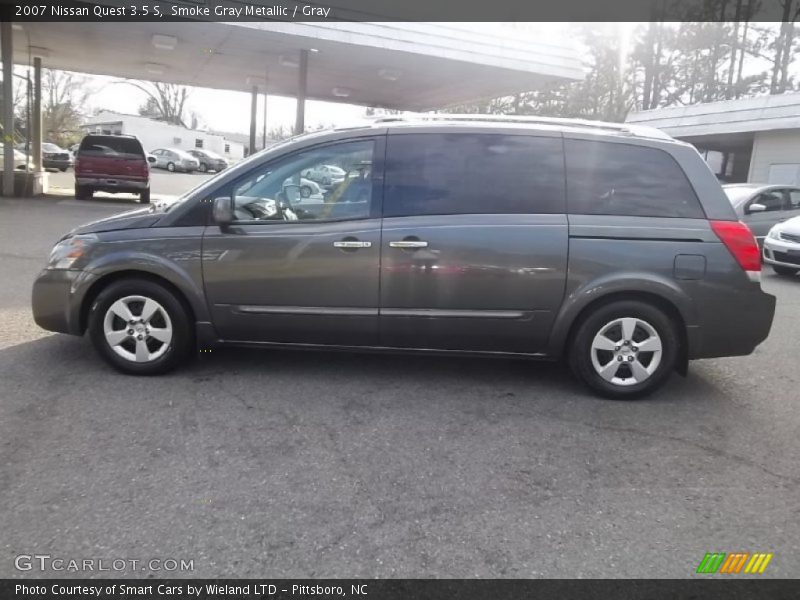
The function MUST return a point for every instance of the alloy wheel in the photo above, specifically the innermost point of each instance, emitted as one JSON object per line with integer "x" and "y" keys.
{"x": 626, "y": 351}
{"x": 138, "y": 329}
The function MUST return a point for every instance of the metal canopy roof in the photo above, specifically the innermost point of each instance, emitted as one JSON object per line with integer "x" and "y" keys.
{"x": 746, "y": 115}
{"x": 411, "y": 66}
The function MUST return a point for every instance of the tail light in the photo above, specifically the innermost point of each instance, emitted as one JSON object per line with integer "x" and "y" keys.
{"x": 739, "y": 240}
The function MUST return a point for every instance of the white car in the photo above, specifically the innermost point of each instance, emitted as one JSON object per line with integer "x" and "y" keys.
{"x": 19, "y": 160}
{"x": 325, "y": 174}
{"x": 307, "y": 187}
{"x": 782, "y": 247}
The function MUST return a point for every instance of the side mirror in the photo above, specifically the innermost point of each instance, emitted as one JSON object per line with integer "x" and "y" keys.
{"x": 756, "y": 208}
{"x": 151, "y": 160}
{"x": 223, "y": 211}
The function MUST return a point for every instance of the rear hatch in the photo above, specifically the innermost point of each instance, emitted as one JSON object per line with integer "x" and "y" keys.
{"x": 111, "y": 157}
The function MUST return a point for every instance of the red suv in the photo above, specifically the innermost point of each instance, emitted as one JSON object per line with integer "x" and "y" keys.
{"x": 111, "y": 163}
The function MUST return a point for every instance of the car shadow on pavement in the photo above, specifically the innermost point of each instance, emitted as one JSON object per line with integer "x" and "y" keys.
{"x": 250, "y": 372}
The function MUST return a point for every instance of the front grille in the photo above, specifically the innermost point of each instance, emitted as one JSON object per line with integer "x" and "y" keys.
{"x": 785, "y": 257}
{"x": 790, "y": 237}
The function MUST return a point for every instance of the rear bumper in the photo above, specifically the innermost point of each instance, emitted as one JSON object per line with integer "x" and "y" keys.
{"x": 735, "y": 326}
{"x": 113, "y": 184}
{"x": 56, "y": 299}
{"x": 56, "y": 163}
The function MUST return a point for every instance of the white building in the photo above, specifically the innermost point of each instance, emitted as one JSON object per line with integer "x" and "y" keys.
{"x": 158, "y": 134}
{"x": 751, "y": 139}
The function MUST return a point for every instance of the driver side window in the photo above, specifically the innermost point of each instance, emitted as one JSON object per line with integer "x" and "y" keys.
{"x": 771, "y": 200}
{"x": 290, "y": 189}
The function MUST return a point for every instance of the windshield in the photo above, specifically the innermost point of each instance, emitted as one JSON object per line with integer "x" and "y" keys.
{"x": 737, "y": 194}
{"x": 111, "y": 146}
{"x": 239, "y": 167}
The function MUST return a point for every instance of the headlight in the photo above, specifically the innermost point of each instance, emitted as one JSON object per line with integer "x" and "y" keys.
{"x": 774, "y": 233}
{"x": 66, "y": 252}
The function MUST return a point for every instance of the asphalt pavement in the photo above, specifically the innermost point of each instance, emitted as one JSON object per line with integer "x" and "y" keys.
{"x": 288, "y": 464}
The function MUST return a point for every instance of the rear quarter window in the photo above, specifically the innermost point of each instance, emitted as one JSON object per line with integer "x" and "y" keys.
{"x": 466, "y": 173}
{"x": 605, "y": 178}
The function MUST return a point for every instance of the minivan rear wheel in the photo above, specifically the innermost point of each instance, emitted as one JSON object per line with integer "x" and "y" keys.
{"x": 139, "y": 327}
{"x": 625, "y": 349}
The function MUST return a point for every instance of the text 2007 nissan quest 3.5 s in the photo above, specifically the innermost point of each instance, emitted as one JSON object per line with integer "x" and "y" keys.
{"x": 611, "y": 246}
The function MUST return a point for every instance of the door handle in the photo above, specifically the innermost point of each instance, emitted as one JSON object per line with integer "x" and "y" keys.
{"x": 352, "y": 244}
{"x": 409, "y": 244}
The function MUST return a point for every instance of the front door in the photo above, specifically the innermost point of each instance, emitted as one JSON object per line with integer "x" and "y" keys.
{"x": 474, "y": 251}
{"x": 300, "y": 263}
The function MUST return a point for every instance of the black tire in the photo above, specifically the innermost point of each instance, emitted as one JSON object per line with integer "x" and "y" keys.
{"x": 305, "y": 191}
{"x": 171, "y": 167}
{"x": 144, "y": 197}
{"x": 784, "y": 271}
{"x": 203, "y": 168}
{"x": 82, "y": 192}
{"x": 63, "y": 169}
{"x": 181, "y": 343}
{"x": 581, "y": 353}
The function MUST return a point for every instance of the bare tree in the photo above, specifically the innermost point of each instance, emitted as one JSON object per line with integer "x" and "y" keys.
{"x": 64, "y": 96}
{"x": 165, "y": 101}
{"x": 784, "y": 47}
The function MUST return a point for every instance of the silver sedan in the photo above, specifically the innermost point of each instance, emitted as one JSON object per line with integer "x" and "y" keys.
{"x": 760, "y": 206}
{"x": 173, "y": 159}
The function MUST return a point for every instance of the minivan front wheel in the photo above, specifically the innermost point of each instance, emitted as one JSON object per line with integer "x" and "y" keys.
{"x": 625, "y": 349}
{"x": 139, "y": 327}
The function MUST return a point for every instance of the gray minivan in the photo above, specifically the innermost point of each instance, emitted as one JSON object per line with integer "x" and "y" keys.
{"x": 612, "y": 246}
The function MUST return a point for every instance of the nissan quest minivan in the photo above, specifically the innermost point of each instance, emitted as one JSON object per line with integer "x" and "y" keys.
{"x": 611, "y": 246}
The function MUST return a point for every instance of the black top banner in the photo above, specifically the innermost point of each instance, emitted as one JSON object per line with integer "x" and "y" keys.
{"x": 402, "y": 10}
{"x": 395, "y": 589}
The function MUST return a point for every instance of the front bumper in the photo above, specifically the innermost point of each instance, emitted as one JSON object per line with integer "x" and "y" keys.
{"x": 781, "y": 253}
{"x": 56, "y": 163}
{"x": 57, "y": 297}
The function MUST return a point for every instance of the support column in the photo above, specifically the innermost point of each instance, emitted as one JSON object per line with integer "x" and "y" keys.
{"x": 8, "y": 108}
{"x": 253, "y": 117}
{"x": 36, "y": 125}
{"x": 264, "y": 125}
{"x": 302, "y": 84}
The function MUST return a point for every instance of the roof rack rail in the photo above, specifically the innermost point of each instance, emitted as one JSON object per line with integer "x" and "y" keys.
{"x": 623, "y": 128}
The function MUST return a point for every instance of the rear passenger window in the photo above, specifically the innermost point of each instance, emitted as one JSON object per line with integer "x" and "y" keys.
{"x": 110, "y": 146}
{"x": 441, "y": 174}
{"x": 605, "y": 178}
